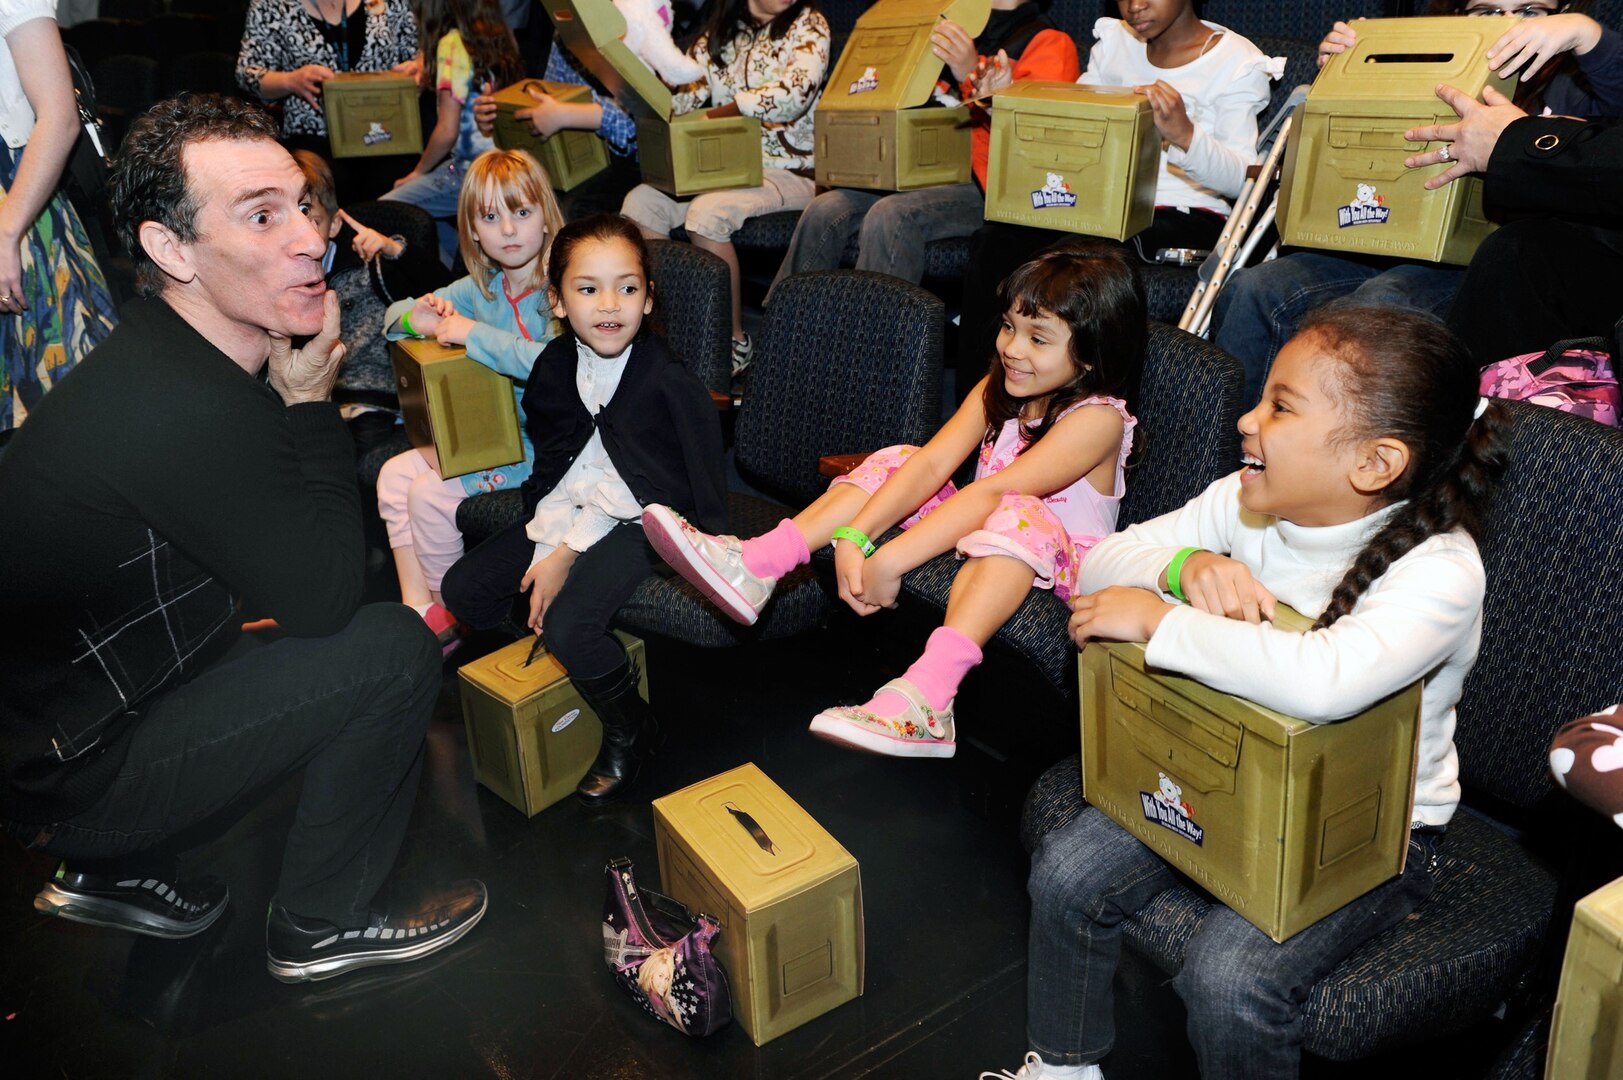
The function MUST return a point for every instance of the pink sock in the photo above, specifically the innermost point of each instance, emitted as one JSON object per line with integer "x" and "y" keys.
{"x": 777, "y": 552}
{"x": 948, "y": 656}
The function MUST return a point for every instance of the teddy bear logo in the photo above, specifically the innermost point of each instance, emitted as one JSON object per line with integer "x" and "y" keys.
{"x": 869, "y": 81}
{"x": 1367, "y": 208}
{"x": 1056, "y": 191}
{"x": 1169, "y": 794}
{"x": 376, "y": 133}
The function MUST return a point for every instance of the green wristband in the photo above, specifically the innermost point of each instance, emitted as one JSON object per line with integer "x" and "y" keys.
{"x": 405, "y": 324}
{"x": 1174, "y": 569}
{"x": 857, "y": 537}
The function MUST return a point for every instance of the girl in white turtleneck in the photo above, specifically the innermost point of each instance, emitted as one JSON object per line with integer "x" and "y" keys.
{"x": 1365, "y": 470}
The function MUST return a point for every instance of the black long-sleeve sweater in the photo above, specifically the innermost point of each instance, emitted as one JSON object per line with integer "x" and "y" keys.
{"x": 155, "y": 488}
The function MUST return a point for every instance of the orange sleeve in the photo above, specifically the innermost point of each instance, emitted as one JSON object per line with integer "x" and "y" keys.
{"x": 1048, "y": 57}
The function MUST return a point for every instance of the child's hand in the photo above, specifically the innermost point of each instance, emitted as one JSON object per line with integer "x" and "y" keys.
{"x": 955, "y": 47}
{"x": 543, "y": 580}
{"x": 849, "y": 568}
{"x": 1535, "y": 42}
{"x": 426, "y": 313}
{"x": 991, "y": 75}
{"x": 1219, "y": 585}
{"x": 1340, "y": 38}
{"x": 1171, "y": 118}
{"x": 408, "y": 178}
{"x": 369, "y": 242}
{"x": 484, "y": 112}
{"x": 1116, "y": 614}
{"x": 547, "y": 116}
{"x": 881, "y": 580}
{"x": 412, "y": 69}
{"x": 453, "y": 329}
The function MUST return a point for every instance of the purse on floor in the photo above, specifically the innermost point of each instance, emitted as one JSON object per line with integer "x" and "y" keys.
{"x": 661, "y": 954}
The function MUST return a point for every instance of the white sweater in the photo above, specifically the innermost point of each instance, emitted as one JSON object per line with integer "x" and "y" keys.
{"x": 1223, "y": 91}
{"x": 1422, "y": 619}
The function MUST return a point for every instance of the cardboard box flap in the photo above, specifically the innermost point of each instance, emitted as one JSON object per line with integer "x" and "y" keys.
{"x": 887, "y": 63}
{"x": 592, "y": 30}
{"x": 1407, "y": 58}
{"x": 757, "y": 840}
{"x": 1027, "y": 95}
{"x": 427, "y": 350}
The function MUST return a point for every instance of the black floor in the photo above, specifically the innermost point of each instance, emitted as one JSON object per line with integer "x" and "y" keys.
{"x": 527, "y": 994}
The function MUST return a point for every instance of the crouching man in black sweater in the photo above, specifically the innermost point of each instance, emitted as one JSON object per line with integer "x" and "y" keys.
{"x": 151, "y": 498}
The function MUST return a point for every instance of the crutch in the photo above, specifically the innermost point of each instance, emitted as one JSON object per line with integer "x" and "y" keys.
{"x": 1213, "y": 272}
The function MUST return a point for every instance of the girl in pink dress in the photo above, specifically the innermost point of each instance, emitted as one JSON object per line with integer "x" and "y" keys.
{"x": 1053, "y": 425}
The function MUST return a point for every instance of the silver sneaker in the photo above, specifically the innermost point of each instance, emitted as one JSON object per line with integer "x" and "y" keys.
{"x": 714, "y": 564}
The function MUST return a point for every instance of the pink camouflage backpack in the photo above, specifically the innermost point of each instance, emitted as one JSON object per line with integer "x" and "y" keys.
{"x": 1574, "y": 376}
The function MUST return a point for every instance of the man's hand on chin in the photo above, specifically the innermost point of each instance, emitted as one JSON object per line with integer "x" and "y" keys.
{"x": 307, "y": 374}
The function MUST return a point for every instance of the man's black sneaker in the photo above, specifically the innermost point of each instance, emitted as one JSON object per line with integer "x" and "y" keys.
{"x": 146, "y": 905}
{"x": 301, "y": 950}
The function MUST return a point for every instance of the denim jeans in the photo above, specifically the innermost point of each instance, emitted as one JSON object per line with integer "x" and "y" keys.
{"x": 1261, "y": 306}
{"x": 894, "y": 228}
{"x": 350, "y": 710}
{"x": 1244, "y": 992}
{"x": 435, "y": 192}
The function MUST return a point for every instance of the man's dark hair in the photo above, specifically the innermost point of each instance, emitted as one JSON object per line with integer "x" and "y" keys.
{"x": 149, "y": 181}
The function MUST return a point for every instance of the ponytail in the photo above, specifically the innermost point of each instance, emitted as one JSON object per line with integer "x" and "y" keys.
{"x": 1403, "y": 375}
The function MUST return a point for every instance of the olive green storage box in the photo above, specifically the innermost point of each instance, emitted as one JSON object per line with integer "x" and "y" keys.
{"x": 570, "y": 157}
{"x": 1081, "y": 159}
{"x": 458, "y": 412}
{"x": 873, "y": 128}
{"x": 530, "y": 734}
{"x": 1282, "y": 820}
{"x": 680, "y": 155}
{"x": 787, "y": 895}
{"x": 1586, "y": 1035}
{"x": 1344, "y": 186}
{"x": 372, "y": 114}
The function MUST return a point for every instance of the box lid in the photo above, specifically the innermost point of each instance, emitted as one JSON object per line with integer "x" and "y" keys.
{"x": 518, "y": 96}
{"x": 1602, "y": 912}
{"x": 373, "y": 80}
{"x": 509, "y": 674}
{"x": 757, "y": 841}
{"x": 1220, "y": 716}
{"x": 427, "y": 350}
{"x": 592, "y": 30}
{"x": 887, "y": 63}
{"x": 1039, "y": 96}
{"x": 1407, "y": 58}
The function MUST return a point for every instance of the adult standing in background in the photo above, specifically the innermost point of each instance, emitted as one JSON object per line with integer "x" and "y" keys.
{"x": 54, "y": 303}
{"x": 291, "y": 47}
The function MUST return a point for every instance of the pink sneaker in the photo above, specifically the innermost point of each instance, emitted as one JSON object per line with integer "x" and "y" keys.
{"x": 714, "y": 564}
{"x": 445, "y": 627}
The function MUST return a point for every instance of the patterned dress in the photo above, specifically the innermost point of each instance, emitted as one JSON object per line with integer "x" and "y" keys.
{"x": 280, "y": 35}
{"x": 69, "y": 308}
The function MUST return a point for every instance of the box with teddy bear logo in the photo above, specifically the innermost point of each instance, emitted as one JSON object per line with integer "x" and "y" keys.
{"x": 1280, "y": 819}
{"x": 680, "y": 155}
{"x": 873, "y": 127}
{"x": 1344, "y": 186}
{"x": 570, "y": 157}
{"x": 372, "y": 114}
{"x": 1081, "y": 159}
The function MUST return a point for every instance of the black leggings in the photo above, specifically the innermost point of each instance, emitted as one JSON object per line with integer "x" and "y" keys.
{"x": 997, "y": 250}
{"x": 481, "y": 588}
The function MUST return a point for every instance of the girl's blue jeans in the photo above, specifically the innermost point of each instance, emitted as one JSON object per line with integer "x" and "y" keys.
{"x": 435, "y": 192}
{"x": 1244, "y": 992}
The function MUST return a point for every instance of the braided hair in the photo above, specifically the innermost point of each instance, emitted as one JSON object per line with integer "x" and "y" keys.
{"x": 1402, "y": 375}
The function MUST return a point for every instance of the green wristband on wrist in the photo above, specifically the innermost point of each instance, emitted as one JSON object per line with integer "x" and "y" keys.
{"x": 405, "y": 324}
{"x": 857, "y": 537}
{"x": 1174, "y": 569}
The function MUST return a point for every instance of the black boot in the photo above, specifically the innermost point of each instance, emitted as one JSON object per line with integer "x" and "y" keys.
{"x": 629, "y": 729}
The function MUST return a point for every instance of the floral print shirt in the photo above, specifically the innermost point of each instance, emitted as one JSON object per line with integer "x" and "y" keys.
{"x": 280, "y": 35}
{"x": 777, "y": 82}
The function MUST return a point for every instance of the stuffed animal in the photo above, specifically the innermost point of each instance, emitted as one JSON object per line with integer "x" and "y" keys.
{"x": 648, "y": 34}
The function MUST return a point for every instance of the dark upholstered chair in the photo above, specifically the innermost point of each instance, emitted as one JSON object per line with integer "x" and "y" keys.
{"x": 695, "y": 303}
{"x": 1548, "y": 655}
{"x": 1305, "y": 18}
{"x": 846, "y": 362}
{"x": 1187, "y": 413}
